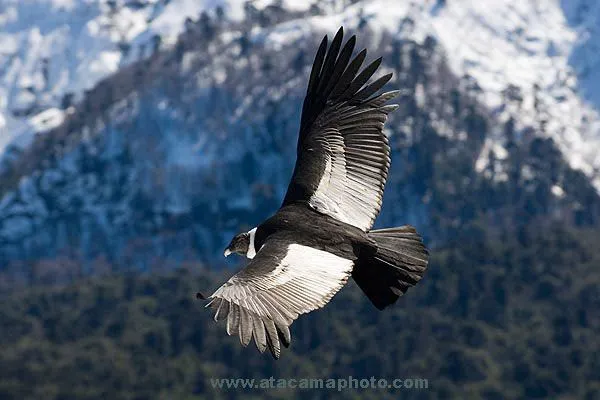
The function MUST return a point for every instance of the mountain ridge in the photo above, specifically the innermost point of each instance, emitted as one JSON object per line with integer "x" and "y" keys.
{"x": 173, "y": 154}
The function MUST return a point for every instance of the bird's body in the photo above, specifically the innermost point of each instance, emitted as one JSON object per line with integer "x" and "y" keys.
{"x": 311, "y": 228}
{"x": 321, "y": 235}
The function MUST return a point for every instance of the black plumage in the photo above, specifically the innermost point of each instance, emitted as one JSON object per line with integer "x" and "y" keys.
{"x": 322, "y": 235}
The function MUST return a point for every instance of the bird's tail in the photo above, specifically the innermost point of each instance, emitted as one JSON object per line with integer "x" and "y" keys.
{"x": 399, "y": 262}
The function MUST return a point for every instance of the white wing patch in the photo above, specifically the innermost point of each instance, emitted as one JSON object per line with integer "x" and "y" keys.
{"x": 351, "y": 187}
{"x": 304, "y": 270}
{"x": 262, "y": 300}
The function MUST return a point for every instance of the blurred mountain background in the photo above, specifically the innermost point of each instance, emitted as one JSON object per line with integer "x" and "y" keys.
{"x": 138, "y": 136}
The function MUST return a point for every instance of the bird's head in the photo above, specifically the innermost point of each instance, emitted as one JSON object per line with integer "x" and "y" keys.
{"x": 242, "y": 244}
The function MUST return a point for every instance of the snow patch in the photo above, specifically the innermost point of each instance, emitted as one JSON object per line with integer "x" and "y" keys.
{"x": 558, "y": 191}
{"x": 50, "y": 49}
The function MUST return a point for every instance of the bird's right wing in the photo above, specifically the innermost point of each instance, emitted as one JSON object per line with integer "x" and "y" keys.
{"x": 283, "y": 280}
{"x": 343, "y": 155}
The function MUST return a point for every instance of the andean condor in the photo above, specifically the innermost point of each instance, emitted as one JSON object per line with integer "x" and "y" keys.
{"x": 321, "y": 235}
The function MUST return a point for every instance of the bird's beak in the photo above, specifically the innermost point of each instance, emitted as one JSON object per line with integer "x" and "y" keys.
{"x": 226, "y": 252}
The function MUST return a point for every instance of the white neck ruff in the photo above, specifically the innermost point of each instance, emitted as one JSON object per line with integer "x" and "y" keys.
{"x": 251, "y": 250}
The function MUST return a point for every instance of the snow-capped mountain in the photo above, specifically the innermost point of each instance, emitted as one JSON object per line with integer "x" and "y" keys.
{"x": 52, "y": 51}
{"x": 171, "y": 123}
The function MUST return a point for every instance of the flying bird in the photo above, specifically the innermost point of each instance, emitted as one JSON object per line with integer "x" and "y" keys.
{"x": 305, "y": 253}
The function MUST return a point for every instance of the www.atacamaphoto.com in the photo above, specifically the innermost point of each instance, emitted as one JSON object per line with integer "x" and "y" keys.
{"x": 339, "y": 384}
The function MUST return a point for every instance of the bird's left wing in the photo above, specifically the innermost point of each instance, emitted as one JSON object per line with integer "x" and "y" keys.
{"x": 284, "y": 280}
